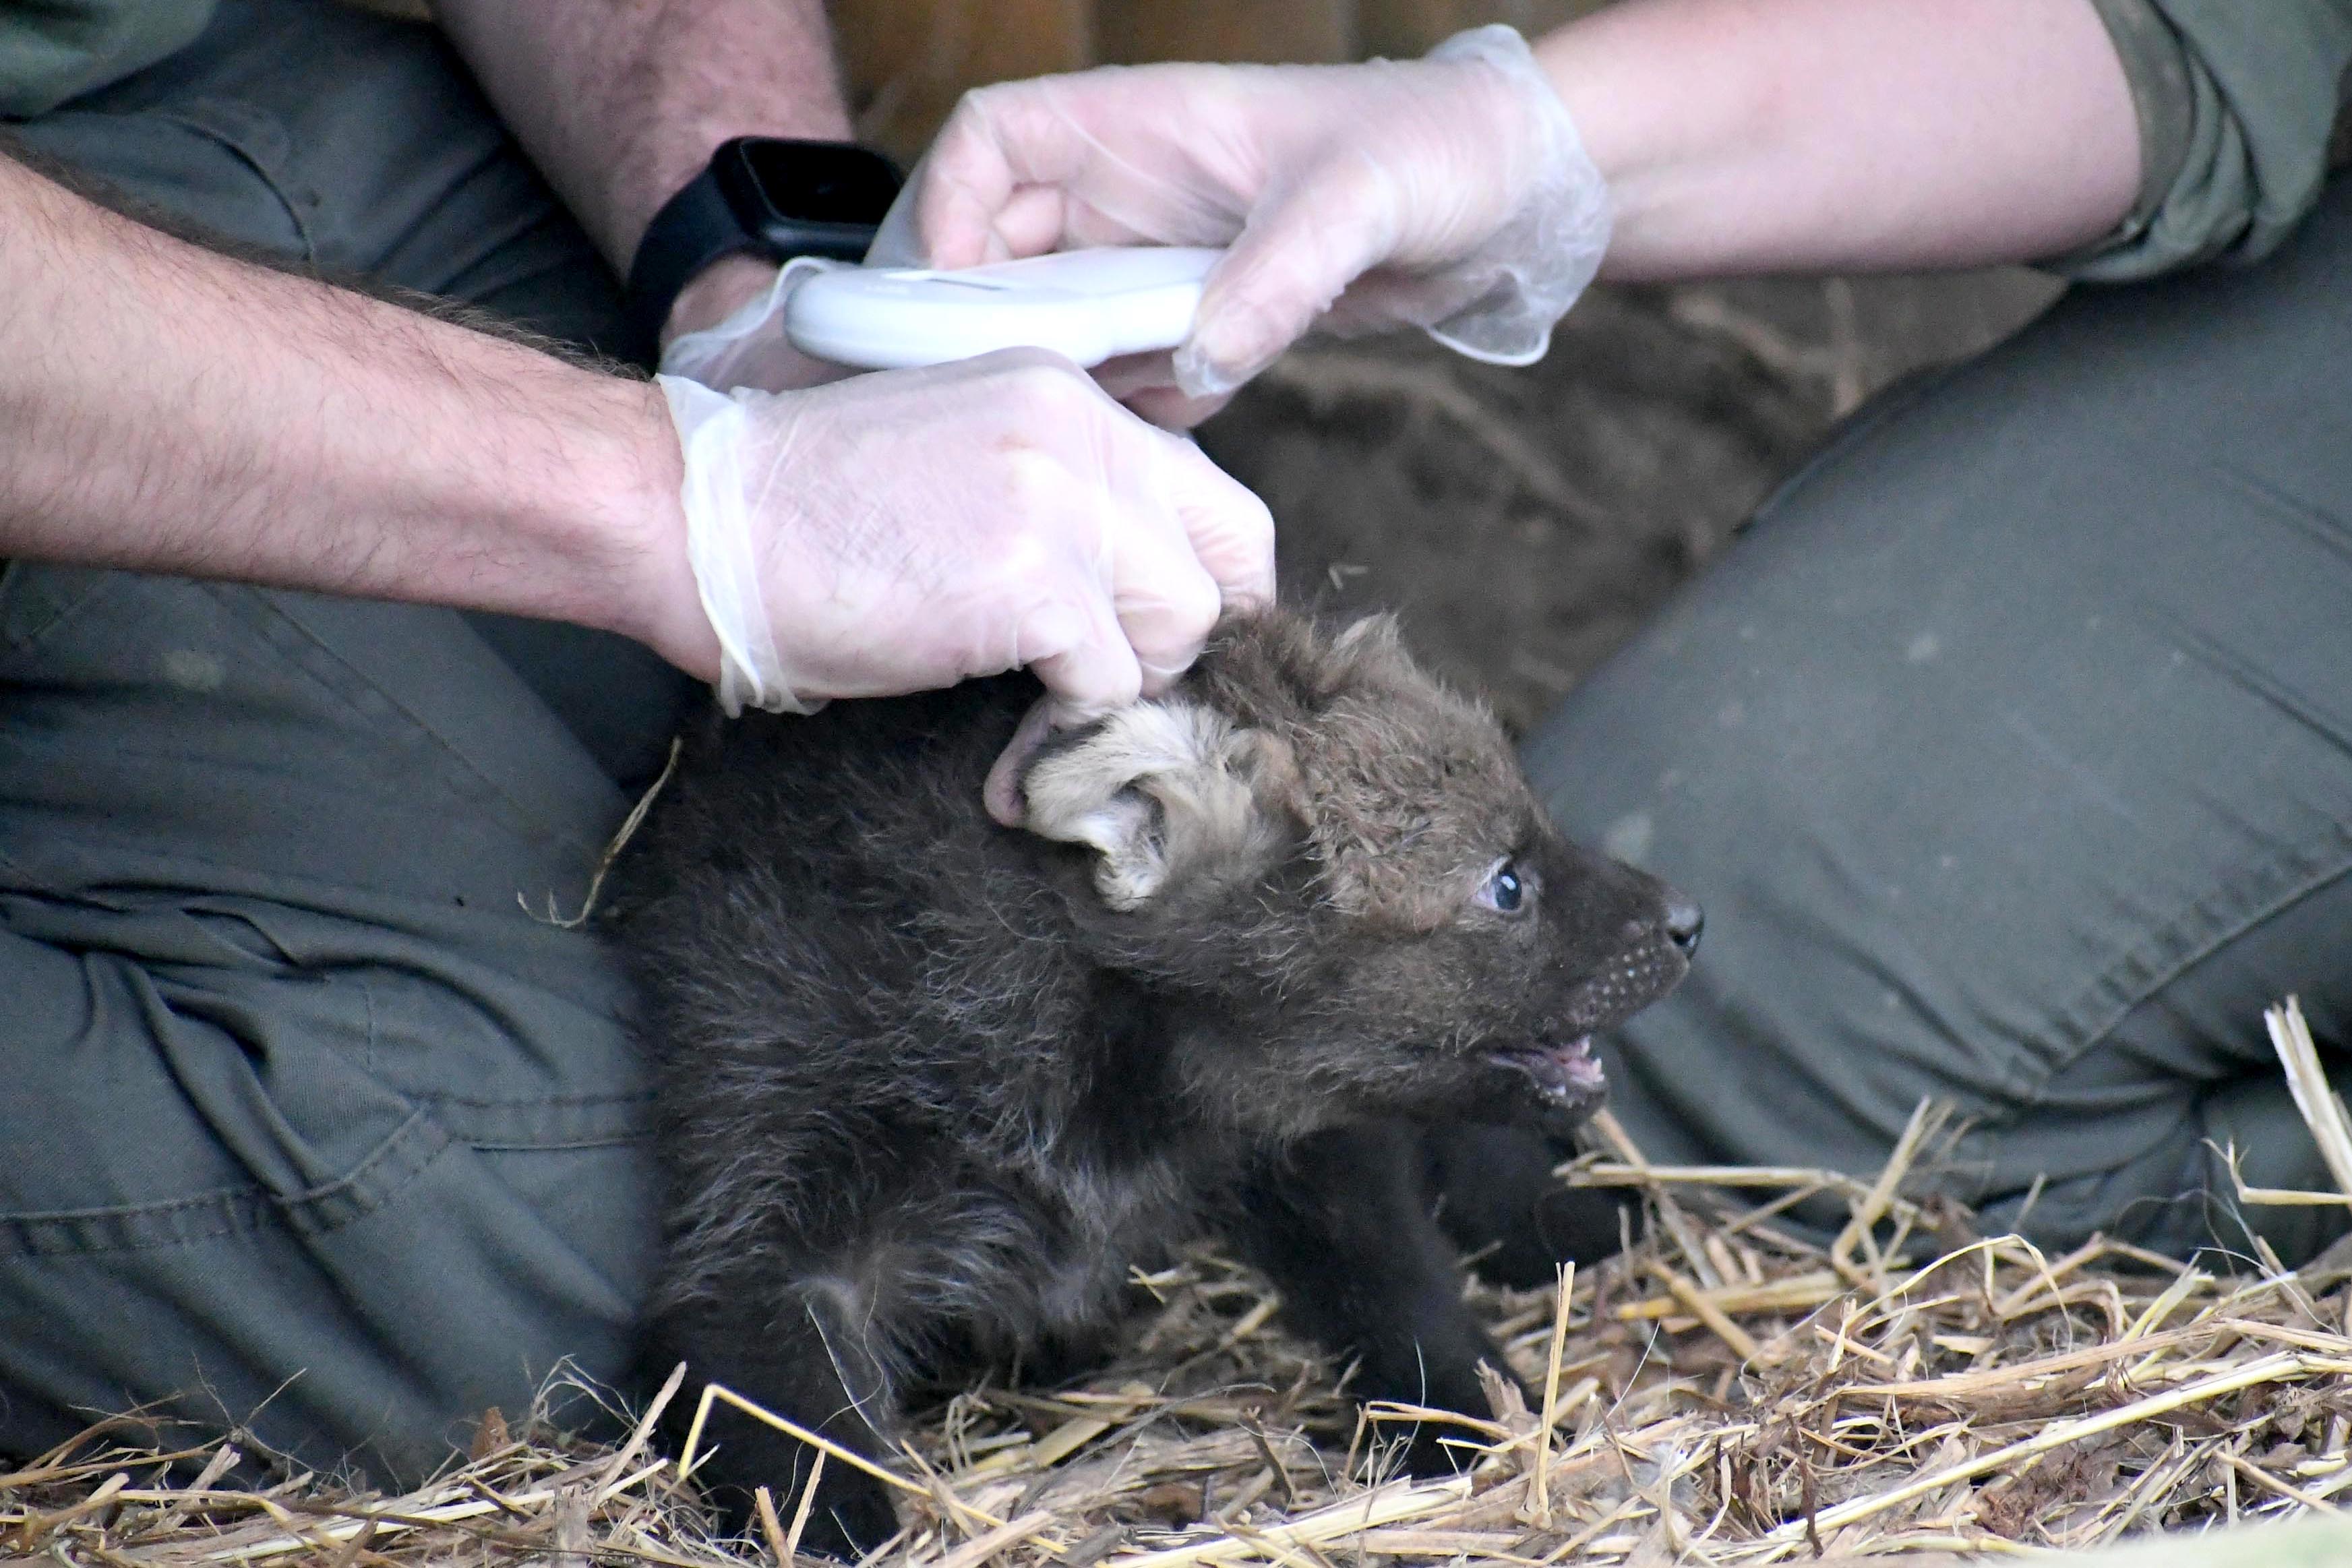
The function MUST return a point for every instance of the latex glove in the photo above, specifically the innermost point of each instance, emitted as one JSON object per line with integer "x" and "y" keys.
{"x": 748, "y": 348}
{"x": 1450, "y": 192}
{"x": 902, "y": 531}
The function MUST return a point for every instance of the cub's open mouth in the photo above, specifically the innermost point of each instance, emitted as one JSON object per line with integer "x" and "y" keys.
{"x": 1562, "y": 1070}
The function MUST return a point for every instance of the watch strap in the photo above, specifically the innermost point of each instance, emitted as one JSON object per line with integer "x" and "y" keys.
{"x": 694, "y": 228}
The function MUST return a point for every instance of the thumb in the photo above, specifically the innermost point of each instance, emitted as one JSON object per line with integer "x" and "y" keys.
{"x": 1296, "y": 255}
{"x": 1077, "y": 649}
{"x": 1229, "y": 528}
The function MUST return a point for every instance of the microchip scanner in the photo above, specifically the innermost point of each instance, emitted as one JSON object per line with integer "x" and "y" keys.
{"x": 1087, "y": 306}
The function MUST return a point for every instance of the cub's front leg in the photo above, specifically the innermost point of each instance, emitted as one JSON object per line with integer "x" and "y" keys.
{"x": 799, "y": 1356}
{"x": 1495, "y": 1195}
{"x": 1342, "y": 1221}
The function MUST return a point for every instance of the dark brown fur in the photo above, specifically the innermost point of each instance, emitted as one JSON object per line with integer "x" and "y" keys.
{"x": 930, "y": 1086}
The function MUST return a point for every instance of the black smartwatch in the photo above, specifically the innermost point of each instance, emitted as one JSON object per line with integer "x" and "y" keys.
{"x": 766, "y": 195}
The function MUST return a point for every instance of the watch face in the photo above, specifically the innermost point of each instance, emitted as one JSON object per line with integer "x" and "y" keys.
{"x": 772, "y": 181}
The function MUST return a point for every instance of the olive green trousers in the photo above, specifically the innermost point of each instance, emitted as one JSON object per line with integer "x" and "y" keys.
{"x": 306, "y": 1122}
{"x": 2010, "y": 752}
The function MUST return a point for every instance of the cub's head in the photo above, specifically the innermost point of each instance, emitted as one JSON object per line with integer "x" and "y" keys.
{"x": 1328, "y": 872}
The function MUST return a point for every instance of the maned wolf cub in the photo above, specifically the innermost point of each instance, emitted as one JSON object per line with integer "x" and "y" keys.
{"x": 929, "y": 1086}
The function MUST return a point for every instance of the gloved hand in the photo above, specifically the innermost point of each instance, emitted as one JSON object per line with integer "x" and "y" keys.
{"x": 1450, "y": 192}
{"x": 748, "y": 348}
{"x": 902, "y": 531}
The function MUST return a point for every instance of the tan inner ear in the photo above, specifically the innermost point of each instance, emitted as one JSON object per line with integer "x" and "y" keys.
{"x": 1161, "y": 790}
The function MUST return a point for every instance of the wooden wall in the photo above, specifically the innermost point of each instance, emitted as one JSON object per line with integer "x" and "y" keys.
{"x": 908, "y": 61}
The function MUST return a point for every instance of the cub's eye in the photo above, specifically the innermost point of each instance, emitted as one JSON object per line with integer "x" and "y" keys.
{"x": 1506, "y": 889}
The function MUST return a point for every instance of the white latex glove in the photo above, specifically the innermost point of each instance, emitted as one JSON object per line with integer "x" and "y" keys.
{"x": 902, "y": 531}
{"x": 1450, "y": 192}
{"x": 748, "y": 348}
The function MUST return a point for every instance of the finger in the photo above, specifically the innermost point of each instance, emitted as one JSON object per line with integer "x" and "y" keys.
{"x": 1002, "y": 792}
{"x": 1292, "y": 259}
{"x": 1172, "y": 410}
{"x": 955, "y": 194}
{"x": 1166, "y": 600}
{"x": 1229, "y": 529}
{"x": 999, "y": 141}
{"x": 1124, "y": 375}
{"x": 1033, "y": 221}
{"x": 1075, "y": 646}
{"x": 1145, "y": 385}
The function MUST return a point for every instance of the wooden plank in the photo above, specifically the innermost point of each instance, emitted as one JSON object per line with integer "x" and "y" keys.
{"x": 908, "y": 61}
{"x": 1401, "y": 29}
{"x": 1132, "y": 32}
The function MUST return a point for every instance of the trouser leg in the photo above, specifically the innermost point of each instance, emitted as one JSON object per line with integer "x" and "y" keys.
{"x": 2011, "y": 752}
{"x": 311, "y": 1124}
{"x": 351, "y": 144}
{"x": 298, "y": 1094}
{"x": 357, "y": 145}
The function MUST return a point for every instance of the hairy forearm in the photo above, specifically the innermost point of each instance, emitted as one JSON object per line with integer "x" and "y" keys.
{"x": 620, "y": 102}
{"x": 1743, "y": 136}
{"x": 170, "y": 409}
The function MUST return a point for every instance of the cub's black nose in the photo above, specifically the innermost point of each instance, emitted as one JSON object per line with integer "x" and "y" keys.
{"x": 1684, "y": 920}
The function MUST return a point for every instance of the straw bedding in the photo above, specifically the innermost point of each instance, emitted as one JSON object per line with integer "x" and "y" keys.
{"x": 1725, "y": 1392}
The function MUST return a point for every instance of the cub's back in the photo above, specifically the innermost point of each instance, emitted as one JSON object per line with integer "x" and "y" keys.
{"x": 830, "y": 940}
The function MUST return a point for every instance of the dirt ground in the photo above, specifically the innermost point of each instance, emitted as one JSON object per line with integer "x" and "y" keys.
{"x": 1523, "y": 522}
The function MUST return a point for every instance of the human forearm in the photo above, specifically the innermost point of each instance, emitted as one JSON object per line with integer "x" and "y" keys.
{"x": 1741, "y": 136}
{"x": 620, "y": 102}
{"x": 170, "y": 409}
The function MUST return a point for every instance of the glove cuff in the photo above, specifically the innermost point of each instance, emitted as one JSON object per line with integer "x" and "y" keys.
{"x": 1538, "y": 264}
{"x": 712, "y": 431}
{"x": 713, "y": 355}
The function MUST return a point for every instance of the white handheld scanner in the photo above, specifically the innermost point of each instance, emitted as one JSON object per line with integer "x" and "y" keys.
{"x": 1086, "y": 305}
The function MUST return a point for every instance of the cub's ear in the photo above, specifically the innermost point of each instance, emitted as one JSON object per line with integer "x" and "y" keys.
{"x": 1370, "y": 634}
{"x": 1169, "y": 793}
{"x": 1370, "y": 650}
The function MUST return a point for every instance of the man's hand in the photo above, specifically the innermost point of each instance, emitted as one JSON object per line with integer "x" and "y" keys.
{"x": 902, "y": 531}
{"x": 909, "y": 529}
{"x": 717, "y": 292}
{"x": 895, "y": 530}
{"x": 727, "y": 331}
